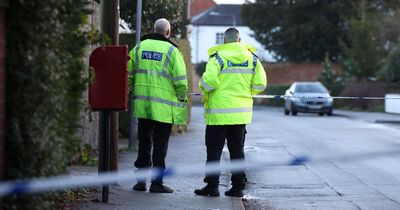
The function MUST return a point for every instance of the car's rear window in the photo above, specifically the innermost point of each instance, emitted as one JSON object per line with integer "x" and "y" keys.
{"x": 310, "y": 88}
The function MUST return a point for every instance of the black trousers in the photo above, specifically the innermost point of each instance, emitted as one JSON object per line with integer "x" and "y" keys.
{"x": 215, "y": 141}
{"x": 152, "y": 135}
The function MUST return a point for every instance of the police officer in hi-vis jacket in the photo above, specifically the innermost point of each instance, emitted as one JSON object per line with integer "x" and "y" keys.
{"x": 233, "y": 74}
{"x": 157, "y": 78}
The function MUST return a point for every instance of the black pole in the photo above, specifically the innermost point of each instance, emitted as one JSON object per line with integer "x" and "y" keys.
{"x": 108, "y": 135}
{"x": 114, "y": 33}
{"x": 104, "y": 149}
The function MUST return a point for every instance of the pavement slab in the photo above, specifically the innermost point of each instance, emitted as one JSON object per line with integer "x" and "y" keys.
{"x": 187, "y": 148}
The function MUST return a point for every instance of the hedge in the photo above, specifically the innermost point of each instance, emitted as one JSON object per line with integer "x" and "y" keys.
{"x": 44, "y": 68}
{"x": 273, "y": 89}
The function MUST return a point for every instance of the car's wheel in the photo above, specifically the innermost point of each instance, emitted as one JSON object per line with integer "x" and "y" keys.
{"x": 321, "y": 114}
{"x": 287, "y": 112}
{"x": 293, "y": 110}
{"x": 329, "y": 113}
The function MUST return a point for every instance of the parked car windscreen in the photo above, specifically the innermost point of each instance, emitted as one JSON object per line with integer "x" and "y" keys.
{"x": 310, "y": 88}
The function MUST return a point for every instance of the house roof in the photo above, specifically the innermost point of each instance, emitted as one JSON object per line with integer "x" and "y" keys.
{"x": 199, "y": 6}
{"x": 220, "y": 15}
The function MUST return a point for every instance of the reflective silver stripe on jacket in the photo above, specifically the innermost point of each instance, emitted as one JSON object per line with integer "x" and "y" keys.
{"x": 254, "y": 62}
{"x": 179, "y": 78}
{"x": 205, "y": 85}
{"x": 158, "y": 73}
{"x": 228, "y": 110}
{"x": 167, "y": 59}
{"x": 220, "y": 61}
{"x": 237, "y": 71}
{"x": 160, "y": 100}
{"x": 137, "y": 55}
{"x": 259, "y": 87}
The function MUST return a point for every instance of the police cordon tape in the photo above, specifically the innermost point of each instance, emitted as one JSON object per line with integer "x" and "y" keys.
{"x": 49, "y": 184}
{"x": 38, "y": 185}
{"x": 278, "y": 97}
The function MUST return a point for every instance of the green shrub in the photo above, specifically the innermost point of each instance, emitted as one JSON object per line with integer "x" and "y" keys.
{"x": 44, "y": 67}
{"x": 88, "y": 156}
{"x": 330, "y": 79}
{"x": 275, "y": 89}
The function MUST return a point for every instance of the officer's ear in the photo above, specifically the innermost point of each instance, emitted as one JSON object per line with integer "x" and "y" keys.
{"x": 168, "y": 33}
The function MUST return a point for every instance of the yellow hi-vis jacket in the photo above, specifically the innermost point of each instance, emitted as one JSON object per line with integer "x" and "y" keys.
{"x": 157, "y": 76}
{"x": 233, "y": 73}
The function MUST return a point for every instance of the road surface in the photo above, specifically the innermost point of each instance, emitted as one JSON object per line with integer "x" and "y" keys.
{"x": 354, "y": 161}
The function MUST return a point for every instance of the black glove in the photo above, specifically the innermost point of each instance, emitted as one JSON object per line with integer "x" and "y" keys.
{"x": 182, "y": 99}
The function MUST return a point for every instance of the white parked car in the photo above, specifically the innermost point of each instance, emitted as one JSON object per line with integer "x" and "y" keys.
{"x": 311, "y": 97}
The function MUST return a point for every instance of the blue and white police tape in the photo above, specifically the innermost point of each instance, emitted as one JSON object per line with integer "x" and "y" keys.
{"x": 278, "y": 97}
{"x": 48, "y": 184}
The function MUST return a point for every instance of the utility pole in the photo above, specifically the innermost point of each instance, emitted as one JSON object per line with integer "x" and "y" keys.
{"x": 188, "y": 7}
{"x": 108, "y": 141}
{"x": 115, "y": 115}
{"x": 186, "y": 17}
{"x": 133, "y": 122}
{"x": 138, "y": 20}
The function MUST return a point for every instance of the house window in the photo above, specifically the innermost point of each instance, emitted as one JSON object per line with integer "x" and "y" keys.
{"x": 219, "y": 38}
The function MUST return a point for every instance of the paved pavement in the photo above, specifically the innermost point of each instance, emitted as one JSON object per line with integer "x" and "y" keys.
{"x": 374, "y": 117}
{"x": 187, "y": 148}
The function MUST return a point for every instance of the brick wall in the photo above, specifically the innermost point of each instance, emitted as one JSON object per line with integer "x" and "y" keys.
{"x": 283, "y": 73}
{"x": 287, "y": 73}
{"x": 367, "y": 89}
{"x": 2, "y": 88}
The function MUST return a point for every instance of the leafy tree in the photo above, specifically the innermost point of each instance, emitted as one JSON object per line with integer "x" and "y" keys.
{"x": 304, "y": 30}
{"x": 392, "y": 67}
{"x": 301, "y": 30}
{"x": 382, "y": 7}
{"x": 330, "y": 79}
{"x": 173, "y": 10}
{"x": 388, "y": 31}
{"x": 361, "y": 53}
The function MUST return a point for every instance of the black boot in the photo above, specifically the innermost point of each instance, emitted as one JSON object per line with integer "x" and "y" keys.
{"x": 234, "y": 192}
{"x": 140, "y": 186}
{"x": 207, "y": 191}
{"x": 160, "y": 188}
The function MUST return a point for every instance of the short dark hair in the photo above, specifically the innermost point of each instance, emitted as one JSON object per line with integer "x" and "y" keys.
{"x": 231, "y": 35}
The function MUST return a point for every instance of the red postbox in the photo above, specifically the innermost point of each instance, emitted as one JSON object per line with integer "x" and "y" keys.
{"x": 109, "y": 90}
